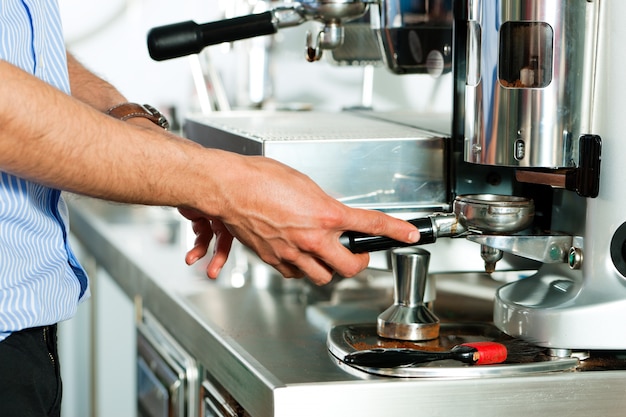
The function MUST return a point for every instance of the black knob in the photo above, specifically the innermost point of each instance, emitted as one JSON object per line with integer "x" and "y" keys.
{"x": 187, "y": 38}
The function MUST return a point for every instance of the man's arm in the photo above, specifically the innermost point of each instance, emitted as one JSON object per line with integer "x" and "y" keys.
{"x": 91, "y": 89}
{"x": 60, "y": 141}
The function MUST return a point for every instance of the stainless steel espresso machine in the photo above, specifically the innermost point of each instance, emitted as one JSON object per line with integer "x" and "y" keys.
{"x": 535, "y": 133}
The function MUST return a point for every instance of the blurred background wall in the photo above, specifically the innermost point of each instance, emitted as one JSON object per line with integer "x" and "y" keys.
{"x": 110, "y": 38}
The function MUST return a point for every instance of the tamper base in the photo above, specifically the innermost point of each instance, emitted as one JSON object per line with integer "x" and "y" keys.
{"x": 402, "y": 322}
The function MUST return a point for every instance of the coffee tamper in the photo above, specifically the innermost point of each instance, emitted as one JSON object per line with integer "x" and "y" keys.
{"x": 409, "y": 318}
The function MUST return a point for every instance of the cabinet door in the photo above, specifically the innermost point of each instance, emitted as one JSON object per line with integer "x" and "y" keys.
{"x": 115, "y": 349}
{"x": 97, "y": 349}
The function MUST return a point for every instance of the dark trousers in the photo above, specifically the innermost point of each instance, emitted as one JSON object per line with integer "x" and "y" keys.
{"x": 30, "y": 382}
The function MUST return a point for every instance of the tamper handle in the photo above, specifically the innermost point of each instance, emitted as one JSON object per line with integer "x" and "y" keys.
{"x": 359, "y": 242}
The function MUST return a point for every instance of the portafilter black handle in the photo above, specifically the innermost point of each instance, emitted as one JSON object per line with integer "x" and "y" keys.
{"x": 359, "y": 242}
{"x": 187, "y": 38}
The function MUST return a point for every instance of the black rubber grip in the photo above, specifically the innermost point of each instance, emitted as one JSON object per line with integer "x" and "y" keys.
{"x": 359, "y": 242}
{"x": 187, "y": 38}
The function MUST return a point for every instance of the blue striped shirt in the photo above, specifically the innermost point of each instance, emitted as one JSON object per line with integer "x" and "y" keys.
{"x": 41, "y": 281}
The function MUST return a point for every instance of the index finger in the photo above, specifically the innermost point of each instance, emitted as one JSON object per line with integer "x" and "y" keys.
{"x": 376, "y": 223}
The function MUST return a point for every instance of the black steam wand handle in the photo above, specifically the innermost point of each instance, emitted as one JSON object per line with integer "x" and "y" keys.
{"x": 187, "y": 38}
{"x": 359, "y": 242}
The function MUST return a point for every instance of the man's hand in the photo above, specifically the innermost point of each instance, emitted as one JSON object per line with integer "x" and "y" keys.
{"x": 291, "y": 223}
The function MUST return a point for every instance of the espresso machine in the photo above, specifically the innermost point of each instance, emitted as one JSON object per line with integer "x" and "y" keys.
{"x": 535, "y": 133}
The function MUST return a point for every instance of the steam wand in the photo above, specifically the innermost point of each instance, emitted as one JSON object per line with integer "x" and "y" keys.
{"x": 187, "y": 38}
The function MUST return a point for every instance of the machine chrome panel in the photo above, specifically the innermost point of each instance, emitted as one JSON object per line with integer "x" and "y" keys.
{"x": 359, "y": 159}
{"x": 529, "y": 81}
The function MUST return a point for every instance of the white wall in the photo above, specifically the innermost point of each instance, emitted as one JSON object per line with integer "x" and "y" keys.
{"x": 109, "y": 37}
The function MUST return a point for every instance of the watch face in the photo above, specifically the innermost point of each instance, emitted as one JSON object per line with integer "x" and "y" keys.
{"x": 160, "y": 119}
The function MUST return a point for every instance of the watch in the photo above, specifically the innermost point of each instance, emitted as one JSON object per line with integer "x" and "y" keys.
{"x": 126, "y": 111}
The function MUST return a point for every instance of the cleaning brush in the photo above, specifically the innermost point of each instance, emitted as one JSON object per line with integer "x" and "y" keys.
{"x": 474, "y": 353}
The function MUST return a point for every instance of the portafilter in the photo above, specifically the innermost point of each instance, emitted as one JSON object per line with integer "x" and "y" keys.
{"x": 472, "y": 213}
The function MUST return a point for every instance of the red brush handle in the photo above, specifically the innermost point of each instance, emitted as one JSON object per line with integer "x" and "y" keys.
{"x": 488, "y": 352}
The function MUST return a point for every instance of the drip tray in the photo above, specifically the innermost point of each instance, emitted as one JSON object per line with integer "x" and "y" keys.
{"x": 523, "y": 357}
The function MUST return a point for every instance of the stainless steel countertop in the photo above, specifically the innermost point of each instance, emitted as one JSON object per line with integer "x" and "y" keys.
{"x": 261, "y": 345}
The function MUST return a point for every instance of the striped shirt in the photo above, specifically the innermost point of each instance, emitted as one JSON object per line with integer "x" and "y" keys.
{"x": 41, "y": 282}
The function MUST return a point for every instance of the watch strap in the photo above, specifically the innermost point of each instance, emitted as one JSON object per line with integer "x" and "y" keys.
{"x": 127, "y": 111}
